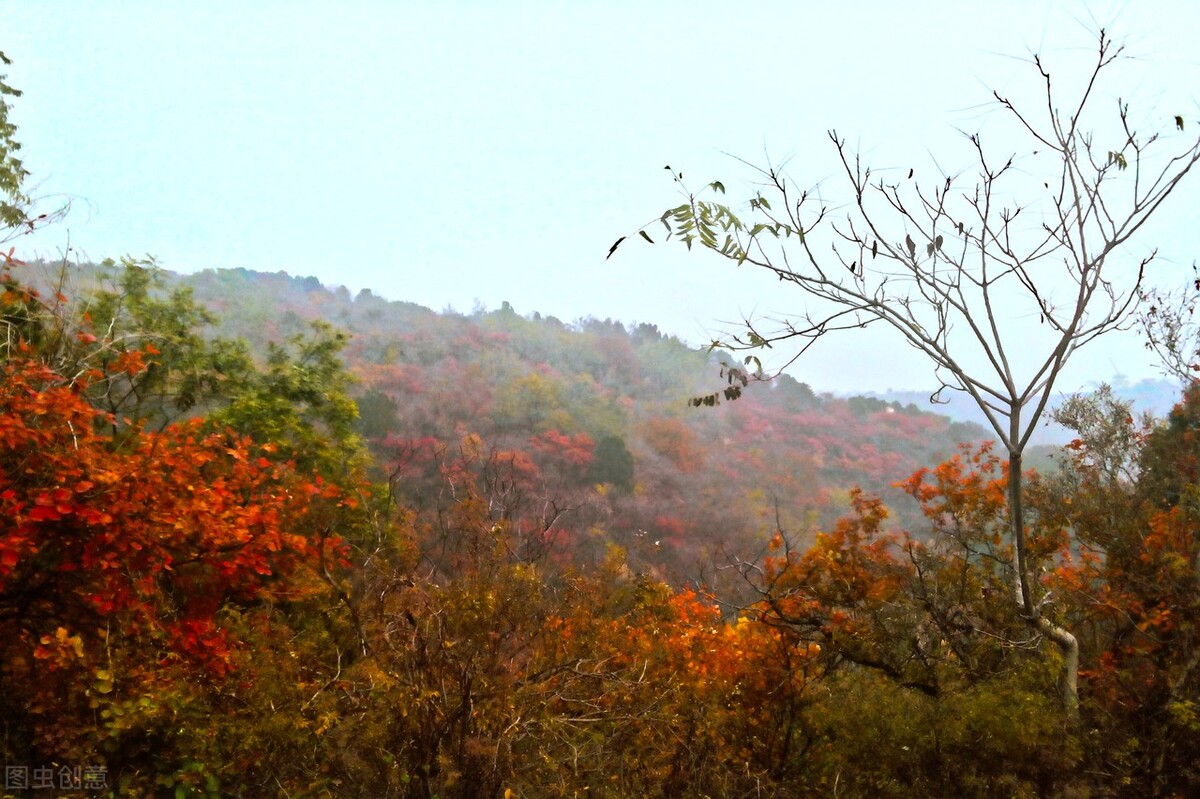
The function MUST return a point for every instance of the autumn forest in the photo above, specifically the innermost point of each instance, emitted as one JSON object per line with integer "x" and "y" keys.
{"x": 263, "y": 537}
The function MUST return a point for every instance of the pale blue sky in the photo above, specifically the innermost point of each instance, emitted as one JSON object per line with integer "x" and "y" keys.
{"x": 448, "y": 153}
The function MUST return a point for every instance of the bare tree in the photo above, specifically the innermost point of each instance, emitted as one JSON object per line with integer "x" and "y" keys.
{"x": 964, "y": 266}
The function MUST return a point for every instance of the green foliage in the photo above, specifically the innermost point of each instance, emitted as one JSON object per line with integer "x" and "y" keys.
{"x": 612, "y": 464}
{"x": 377, "y": 414}
{"x": 14, "y": 204}
{"x": 189, "y": 370}
{"x": 532, "y": 403}
{"x": 1003, "y": 738}
{"x": 299, "y": 402}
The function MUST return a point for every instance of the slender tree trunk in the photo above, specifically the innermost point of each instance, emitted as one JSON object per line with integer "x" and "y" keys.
{"x": 1067, "y": 644}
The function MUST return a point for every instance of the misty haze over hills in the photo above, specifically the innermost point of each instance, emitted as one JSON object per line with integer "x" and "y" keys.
{"x": 1155, "y": 397}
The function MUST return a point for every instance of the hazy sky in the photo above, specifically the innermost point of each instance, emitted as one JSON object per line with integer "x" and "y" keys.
{"x": 453, "y": 153}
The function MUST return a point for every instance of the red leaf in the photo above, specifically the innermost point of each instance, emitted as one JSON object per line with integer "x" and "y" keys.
{"x": 44, "y": 513}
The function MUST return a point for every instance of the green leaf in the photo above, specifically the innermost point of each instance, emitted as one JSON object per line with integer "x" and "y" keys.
{"x": 717, "y": 185}
{"x": 645, "y": 236}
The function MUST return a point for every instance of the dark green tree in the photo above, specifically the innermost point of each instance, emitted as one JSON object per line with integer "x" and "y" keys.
{"x": 612, "y": 463}
{"x": 377, "y": 414}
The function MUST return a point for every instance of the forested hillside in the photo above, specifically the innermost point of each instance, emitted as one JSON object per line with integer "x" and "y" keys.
{"x": 589, "y": 416}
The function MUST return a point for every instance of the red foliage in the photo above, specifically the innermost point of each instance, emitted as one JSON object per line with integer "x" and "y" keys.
{"x": 575, "y": 451}
{"x": 157, "y": 536}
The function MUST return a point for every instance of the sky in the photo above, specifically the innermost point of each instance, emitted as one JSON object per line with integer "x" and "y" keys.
{"x": 464, "y": 154}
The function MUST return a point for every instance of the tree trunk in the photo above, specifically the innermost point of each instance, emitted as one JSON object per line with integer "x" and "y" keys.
{"x": 1068, "y": 645}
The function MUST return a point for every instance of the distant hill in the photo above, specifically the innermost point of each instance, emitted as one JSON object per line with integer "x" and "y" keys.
{"x": 1153, "y": 396}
